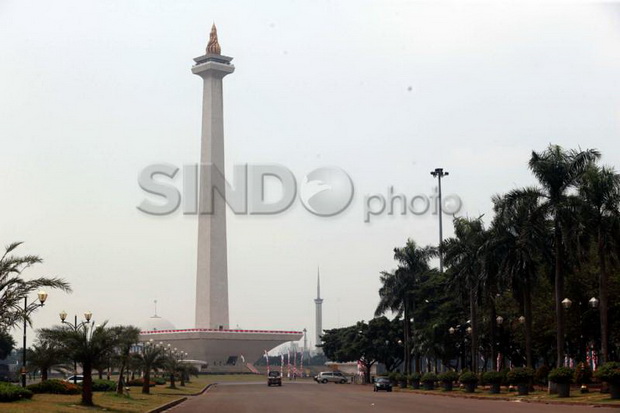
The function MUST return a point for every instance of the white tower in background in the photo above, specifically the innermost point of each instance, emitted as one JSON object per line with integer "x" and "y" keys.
{"x": 318, "y": 301}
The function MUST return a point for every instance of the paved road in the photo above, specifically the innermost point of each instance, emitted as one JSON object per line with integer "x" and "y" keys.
{"x": 309, "y": 397}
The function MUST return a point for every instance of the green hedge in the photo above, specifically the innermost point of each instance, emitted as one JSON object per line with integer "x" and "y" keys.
{"x": 54, "y": 387}
{"x": 468, "y": 377}
{"x": 561, "y": 375}
{"x": 139, "y": 383}
{"x": 104, "y": 385}
{"x": 429, "y": 378}
{"x": 492, "y": 377}
{"x": 10, "y": 393}
{"x": 609, "y": 372}
{"x": 520, "y": 375}
{"x": 448, "y": 376}
{"x": 159, "y": 380}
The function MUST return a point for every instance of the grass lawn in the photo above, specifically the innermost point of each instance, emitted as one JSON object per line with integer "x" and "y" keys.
{"x": 594, "y": 398}
{"x": 135, "y": 402}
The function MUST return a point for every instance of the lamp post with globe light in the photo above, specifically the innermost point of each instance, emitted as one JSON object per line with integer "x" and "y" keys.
{"x": 87, "y": 316}
{"x": 42, "y": 296}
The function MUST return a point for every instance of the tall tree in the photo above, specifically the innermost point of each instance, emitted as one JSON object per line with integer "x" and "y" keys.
{"x": 398, "y": 287}
{"x": 557, "y": 171}
{"x": 151, "y": 356}
{"x": 521, "y": 243}
{"x": 13, "y": 288}
{"x": 126, "y": 337}
{"x": 600, "y": 189}
{"x": 463, "y": 257}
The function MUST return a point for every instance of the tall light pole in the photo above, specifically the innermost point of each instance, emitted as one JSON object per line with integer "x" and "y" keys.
{"x": 27, "y": 310}
{"x": 439, "y": 173}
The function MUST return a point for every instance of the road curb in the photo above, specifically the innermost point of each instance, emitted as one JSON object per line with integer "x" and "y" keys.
{"x": 511, "y": 399}
{"x": 167, "y": 405}
{"x": 176, "y": 402}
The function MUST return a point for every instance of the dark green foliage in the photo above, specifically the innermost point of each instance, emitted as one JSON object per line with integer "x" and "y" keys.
{"x": 104, "y": 385}
{"x": 520, "y": 375}
{"x": 492, "y": 377}
{"x": 55, "y": 387}
{"x": 10, "y": 393}
{"x": 7, "y": 344}
{"x": 429, "y": 378}
{"x": 415, "y": 377}
{"x": 583, "y": 374}
{"x": 561, "y": 375}
{"x": 542, "y": 375}
{"x": 609, "y": 372}
{"x": 468, "y": 377}
{"x": 159, "y": 381}
{"x": 139, "y": 383}
{"x": 448, "y": 376}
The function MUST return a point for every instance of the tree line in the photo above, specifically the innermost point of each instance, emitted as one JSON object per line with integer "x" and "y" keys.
{"x": 535, "y": 285}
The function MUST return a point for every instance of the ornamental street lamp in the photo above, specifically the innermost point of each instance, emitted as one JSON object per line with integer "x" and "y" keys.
{"x": 593, "y": 302}
{"x": 567, "y": 303}
{"x": 499, "y": 320}
{"x": 42, "y": 295}
{"x": 521, "y": 320}
{"x": 87, "y": 316}
{"x": 439, "y": 173}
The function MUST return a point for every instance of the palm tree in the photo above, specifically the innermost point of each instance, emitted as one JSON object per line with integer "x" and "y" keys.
{"x": 151, "y": 356}
{"x": 464, "y": 259}
{"x": 558, "y": 171}
{"x": 44, "y": 355}
{"x": 398, "y": 287}
{"x": 85, "y": 344}
{"x": 520, "y": 240}
{"x": 127, "y": 336}
{"x": 13, "y": 288}
{"x": 600, "y": 190}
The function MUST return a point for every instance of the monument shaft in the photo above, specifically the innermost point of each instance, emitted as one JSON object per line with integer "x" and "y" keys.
{"x": 212, "y": 267}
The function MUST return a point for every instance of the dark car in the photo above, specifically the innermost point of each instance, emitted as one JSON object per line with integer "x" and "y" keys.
{"x": 382, "y": 383}
{"x": 274, "y": 379}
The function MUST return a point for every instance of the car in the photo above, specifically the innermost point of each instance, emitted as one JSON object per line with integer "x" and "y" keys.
{"x": 382, "y": 383}
{"x": 274, "y": 378}
{"x": 333, "y": 376}
{"x": 77, "y": 379}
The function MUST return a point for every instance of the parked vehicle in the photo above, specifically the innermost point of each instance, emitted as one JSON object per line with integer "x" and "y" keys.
{"x": 274, "y": 379}
{"x": 333, "y": 376}
{"x": 382, "y": 383}
{"x": 78, "y": 379}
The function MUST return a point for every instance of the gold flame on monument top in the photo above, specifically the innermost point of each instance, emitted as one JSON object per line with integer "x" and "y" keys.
{"x": 213, "y": 46}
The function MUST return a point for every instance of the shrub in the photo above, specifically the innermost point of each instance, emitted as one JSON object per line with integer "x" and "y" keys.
{"x": 583, "y": 374}
{"x": 104, "y": 385}
{"x": 139, "y": 382}
{"x": 494, "y": 377}
{"x": 10, "y": 393}
{"x": 54, "y": 387}
{"x": 561, "y": 375}
{"x": 609, "y": 372}
{"x": 415, "y": 376}
{"x": 520, "y": 375}
{"x": 448, "y": 376}
{"x": 429, "y": 378}
{"x": 159, "y": 380}
{"x": 541, "y": 375}
{"x": 468, "y": 377}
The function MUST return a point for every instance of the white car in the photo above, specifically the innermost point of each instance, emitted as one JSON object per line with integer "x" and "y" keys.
{"x": 78, "y": 379}
{"x": 333, "y": 376}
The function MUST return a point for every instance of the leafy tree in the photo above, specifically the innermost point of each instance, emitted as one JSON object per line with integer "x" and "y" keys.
{"x": 126, "y": 337}
{"x": 558, "y": 171}
{"x": 463, "y": 257}
{"x": 85, "y": 344}
{"x": 398, "y": 287}
{"x": 600, "y": 190}
{"x": 7, "y": 344}
{"x": 361, "y": 342}
{"x": 13, "y": 288}
{"x": 520, "y": 240}
{"x": 44, "y": 355}
{"x": 151, "y": 356}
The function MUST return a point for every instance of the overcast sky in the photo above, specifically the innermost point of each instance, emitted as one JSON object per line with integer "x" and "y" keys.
{"x": 93, "y": 92}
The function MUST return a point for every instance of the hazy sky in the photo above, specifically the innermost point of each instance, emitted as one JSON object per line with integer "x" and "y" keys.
{"x": 92, "y": 92}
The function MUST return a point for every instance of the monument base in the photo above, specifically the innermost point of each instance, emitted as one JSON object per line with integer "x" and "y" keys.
{"x": 222, "y": 351}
